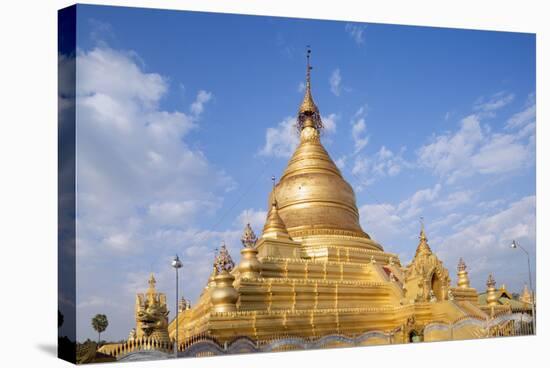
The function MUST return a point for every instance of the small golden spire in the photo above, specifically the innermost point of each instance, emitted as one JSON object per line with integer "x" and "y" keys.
{"x": 463, "y": 279}
{"x": 423, "y": 246}
{"x": 274, "y": 225}
{"x": 422, "y": 231}
{"x": 249, "y": 238}
{"x": 223, "y": 261}
{"x": 308, "y": 113}
{"x": 526, "y": 296}
{"x": 492, "y": 294}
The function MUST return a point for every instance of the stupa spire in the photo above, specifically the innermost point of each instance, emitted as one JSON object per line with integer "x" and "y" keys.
{"x": 463, "y": 279}
{"x": 526, "y": 295}
{"x": 308, "y": 113}
{"x": 492, "y": 294}
{"x": 248, "y": 238}
{"x": 274, "y": 225}
{"x": 423, "y": 246}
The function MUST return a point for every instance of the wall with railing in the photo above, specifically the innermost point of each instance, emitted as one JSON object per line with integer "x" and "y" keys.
{"x": 515, "y": 324}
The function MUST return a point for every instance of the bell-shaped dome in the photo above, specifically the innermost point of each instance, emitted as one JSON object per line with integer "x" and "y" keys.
{"x": 312, "y": 196}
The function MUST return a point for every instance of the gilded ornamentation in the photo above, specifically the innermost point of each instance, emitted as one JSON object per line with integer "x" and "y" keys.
{"x": 223, "y": 261}
{"x": 313, "y": 270}
{"x": 526, "y": 295}
{"x": 463, "y": 280}
{"x": 249, "y": 238}
{"x": 224, "y": 296}
{"x": 492, "y": 293}
{"x": 274, "y": 226}
{"x": 450, "y": 295}
{"x": 184, "y": 304}
{"x": 426, "y": 273}
{"x": 308, "y": 113}
{"x": 152, "y": 314}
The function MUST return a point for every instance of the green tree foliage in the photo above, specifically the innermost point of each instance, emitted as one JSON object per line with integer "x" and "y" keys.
{"x": 100, "y": 323}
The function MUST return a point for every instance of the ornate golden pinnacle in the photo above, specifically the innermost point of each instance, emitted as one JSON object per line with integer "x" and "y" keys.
{"x": 223, "y": 261}
{"x": 308, "y": 113}
{"x": 249, "y": 238}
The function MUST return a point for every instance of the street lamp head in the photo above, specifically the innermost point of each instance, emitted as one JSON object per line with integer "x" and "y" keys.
{"x": 514, "y": 244}
{"x": 176, "y": 263}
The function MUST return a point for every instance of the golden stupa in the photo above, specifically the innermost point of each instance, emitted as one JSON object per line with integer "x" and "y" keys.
{"x": 315, "y": 272}
{"x": 315, "y": 278}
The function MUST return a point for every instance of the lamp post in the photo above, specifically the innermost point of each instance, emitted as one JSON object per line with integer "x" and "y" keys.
{"x": 515, "y": 245}
{"x": 176, "y": 263}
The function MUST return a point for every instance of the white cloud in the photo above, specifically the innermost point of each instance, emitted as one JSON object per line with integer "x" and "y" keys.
{"x": 117, "y": 76}
{"x": 390, "y": 224}
{"x": 359, "y": 129}
{"x": 329, "y": 123}
{"x": 450, "y": 151}
{"x": 282, "y": 140}
{"x": 501, "y": 153}
{"x": 341, "y": 162}
{"x": 256, "y": 219}
{"x": 137, "y": 181}
{"x": 335, "y": 82}
{"x": 383, "y": 164}
{"x": 484, "y": 243}
{"x": 455, "y": 199}
{"x": 197, "y": 107}
{"x": 360, "y": 139}
{"x": 172, "y": 213}
{"x": 523, "y": 118}
{"x": 493, "y": 103}
{"x": 356, "y": 32}
{"x": 414, "y": 205}
{"x": 472, "y": 150}
{"x": 301, "y": 87}
{"x": 382, "y": 222}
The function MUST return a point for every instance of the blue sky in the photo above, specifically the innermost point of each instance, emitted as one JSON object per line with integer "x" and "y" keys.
{"x": 184, "y": 117}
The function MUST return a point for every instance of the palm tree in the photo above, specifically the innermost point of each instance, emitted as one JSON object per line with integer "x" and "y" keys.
{"x": 100, "y": 323}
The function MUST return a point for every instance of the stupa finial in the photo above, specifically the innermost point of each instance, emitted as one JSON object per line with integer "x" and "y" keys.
{"x": 308, "y": 69}
{"x": 223, "y": 262}
{"x": 308, "y": 113}
{"x": 463, "y": 279}
{"x": 249, "y": 238}
{"x": 423, "y": 246}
